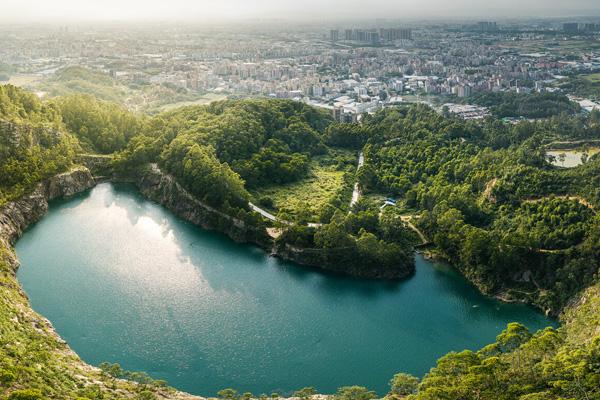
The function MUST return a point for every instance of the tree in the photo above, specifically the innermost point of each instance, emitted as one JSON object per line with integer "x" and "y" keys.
{"x": 228, "y": 394}
{"x": 334, "y": 235}
{"x": 26, "y": 394}
{"x": 561, "y": 158}
{"x": 101, "y": 126}
{"x": 146, "y": 395}
{"x": 305, "y": 393}
{"x": 6, "y": 377}
{"x": 584, "y": 157}
{"x": 354, "y": 393}
{"x": 404, "y": 384}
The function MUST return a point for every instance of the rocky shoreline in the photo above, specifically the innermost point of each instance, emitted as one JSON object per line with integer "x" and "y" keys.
{"x": 164, "y": 190}
{"x": 505, "y": 295}
{"x": 18, "y": 215}
{"x": 15, "y": 218}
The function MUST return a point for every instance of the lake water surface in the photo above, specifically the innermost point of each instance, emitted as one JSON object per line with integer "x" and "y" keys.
{"x": 572, "y": 158}
{"x": 123, "y": 280}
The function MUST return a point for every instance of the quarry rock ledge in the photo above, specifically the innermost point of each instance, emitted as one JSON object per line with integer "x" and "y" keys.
{"x": 162, "y": 188}
{"x": 17, "y": 215}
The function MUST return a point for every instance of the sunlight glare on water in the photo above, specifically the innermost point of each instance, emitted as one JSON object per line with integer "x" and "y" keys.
{"x": 123, "y": 280}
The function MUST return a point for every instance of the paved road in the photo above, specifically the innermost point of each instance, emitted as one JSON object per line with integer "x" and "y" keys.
{"x": 262, "y": 212}
{"x": 273, "y": 218}
{"x": 356, "y": 193}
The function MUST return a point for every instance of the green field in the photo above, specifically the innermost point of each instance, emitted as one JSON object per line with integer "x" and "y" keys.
{"x": 305, "y": 198}
{"x": 594, "y": 78}
{"x": 205, "y": 99}
{"x": 555, "y": 47}
{"x": 24, "y": 80}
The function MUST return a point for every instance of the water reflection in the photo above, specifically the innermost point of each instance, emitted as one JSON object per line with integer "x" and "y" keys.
{"x": 125, "y": 281}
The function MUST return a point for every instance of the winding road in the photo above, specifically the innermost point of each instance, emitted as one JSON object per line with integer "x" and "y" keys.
{"x": 356, "y": 193}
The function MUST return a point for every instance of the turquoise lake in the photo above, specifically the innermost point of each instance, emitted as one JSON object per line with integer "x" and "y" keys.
{"x": 124, "y": 280}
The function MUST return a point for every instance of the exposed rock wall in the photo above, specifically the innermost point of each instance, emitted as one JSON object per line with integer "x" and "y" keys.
{"x": 17, "y": 215}
{"x": 164, "y": 189}
{"x": 61, "y": 363}
{"x": 98, "y": 164}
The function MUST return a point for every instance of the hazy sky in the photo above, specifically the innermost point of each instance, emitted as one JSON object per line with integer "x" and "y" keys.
{"x": 46, "y": 10}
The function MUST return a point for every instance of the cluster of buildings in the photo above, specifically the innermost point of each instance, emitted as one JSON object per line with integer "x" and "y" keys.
{"x": 356, "y": 71}
{"x": 371, "y": 36}
{"x": 586, "y": 104}
{"x": 467, "y": 111}
{"x": 575, "y": 27}
{"x": 486, "y": 26}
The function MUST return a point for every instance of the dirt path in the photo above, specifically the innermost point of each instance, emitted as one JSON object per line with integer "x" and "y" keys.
{"x": 579, "y": 199}
{"x": 407, "y": 220}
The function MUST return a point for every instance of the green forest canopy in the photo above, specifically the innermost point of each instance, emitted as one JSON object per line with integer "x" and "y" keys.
{"x": 484, "y": 193}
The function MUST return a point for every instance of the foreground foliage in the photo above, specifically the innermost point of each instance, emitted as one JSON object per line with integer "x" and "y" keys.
{"x": 549, "y": 364}
{"x": 36, "y": 364}
{"x": 33, "y": 142}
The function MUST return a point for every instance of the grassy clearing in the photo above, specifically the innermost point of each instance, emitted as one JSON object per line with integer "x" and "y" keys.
{"x": 24, "y": 80}
{"x": 572, "y": 157}
{"x": 306, "y": 198}
{"x": 594, "y": 78}
{"x": 205, "y": 99}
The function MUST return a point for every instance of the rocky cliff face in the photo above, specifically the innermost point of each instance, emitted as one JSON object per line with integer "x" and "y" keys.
{"x": 164, "y": 189}
{"x": 98, "y": 164}
{"x": 17, "y": 215}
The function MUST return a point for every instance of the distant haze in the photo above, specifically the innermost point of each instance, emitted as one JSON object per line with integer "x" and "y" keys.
{"x": 221, "y": 10}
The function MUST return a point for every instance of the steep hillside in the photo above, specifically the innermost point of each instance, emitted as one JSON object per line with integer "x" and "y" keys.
{"x": 550, "y": 364}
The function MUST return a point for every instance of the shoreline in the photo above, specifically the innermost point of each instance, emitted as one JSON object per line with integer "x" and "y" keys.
{"x": 164, "y": 189}
{"x": 18, "y": 215}
{"x": 15, "y": 218}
